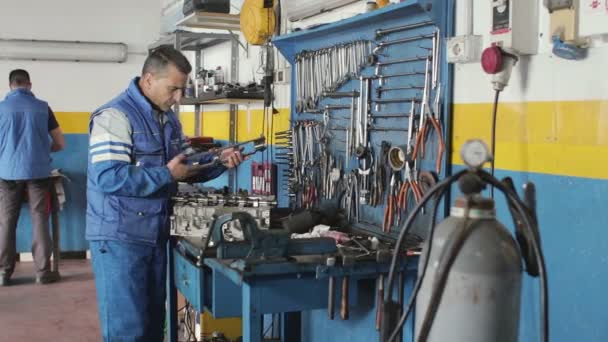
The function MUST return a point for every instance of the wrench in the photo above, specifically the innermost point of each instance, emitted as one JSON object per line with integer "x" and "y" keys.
{"x": 382, "y": 78}
{"x": 384, "y": 44}
{"x": 379, "y": 65}
{"x": 382, "y": 32}
{"x": 380, "y": 89}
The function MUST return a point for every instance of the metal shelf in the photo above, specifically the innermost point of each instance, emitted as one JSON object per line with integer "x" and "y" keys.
{"x": 229, "y": 101}
{"x": 210, "y": 20}
{"x": 191, "y": 41}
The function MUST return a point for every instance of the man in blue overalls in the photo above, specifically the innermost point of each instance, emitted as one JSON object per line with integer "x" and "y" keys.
{"x": 135, "y": 158}
{"x": 26, "y": 123}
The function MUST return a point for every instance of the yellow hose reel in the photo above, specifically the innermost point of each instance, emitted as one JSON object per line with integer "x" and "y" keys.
{"x": 257, "y": 23}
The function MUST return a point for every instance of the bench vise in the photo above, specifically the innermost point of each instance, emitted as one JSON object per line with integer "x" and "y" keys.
{"x": 259, "y": 245}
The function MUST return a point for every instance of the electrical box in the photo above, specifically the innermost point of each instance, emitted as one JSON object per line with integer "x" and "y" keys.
{"x": 464, "y": 49}
{"x": 564, "y": 24}
{"x": 593, "y": 19}
{"x": 514, "y": 25}
{"x": 282, "y": 76}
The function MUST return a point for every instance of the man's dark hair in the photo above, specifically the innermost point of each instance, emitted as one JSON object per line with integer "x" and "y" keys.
{"x": 161, "y": 57}
{"x": 19, "y": 77}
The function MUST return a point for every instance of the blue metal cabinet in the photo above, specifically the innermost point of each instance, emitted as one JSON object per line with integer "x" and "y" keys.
{"x": 189, "y": 279}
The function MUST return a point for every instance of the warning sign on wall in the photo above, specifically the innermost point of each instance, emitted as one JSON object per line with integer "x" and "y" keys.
{"x": 593, "y": 19}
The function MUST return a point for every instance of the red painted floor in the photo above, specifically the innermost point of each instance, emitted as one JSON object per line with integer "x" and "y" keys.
{"x": 65, "y": 311}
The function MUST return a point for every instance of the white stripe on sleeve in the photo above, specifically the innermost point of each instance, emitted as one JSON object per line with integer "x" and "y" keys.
{"x": 108, "y": 147}
{"x": 110, "y": 157}
{"x": 111, "y": 126}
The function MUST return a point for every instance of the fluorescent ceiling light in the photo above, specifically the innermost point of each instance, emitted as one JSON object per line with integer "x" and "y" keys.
{"x": 55, "y": 50}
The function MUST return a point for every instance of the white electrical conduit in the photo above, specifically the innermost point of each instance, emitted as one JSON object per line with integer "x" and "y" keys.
{"x": 55, "y": 50}
{"x": 468, "y": 16}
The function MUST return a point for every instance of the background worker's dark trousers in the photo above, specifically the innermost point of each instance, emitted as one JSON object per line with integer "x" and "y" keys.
{"x": 11, "y": 199}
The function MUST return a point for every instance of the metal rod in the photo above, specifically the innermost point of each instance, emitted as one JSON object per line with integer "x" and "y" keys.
{"x": 379, "y": 65}
{"x": 403, "y": 60}
{"x": 384, "y": 44}
{"x": 436, "y": 58}
{"x": 384, "y": 101}
{"x": 381, "y": 129}
{"x": 383, "y": 32}
{"x": 413, "y": 73}
{"x": 337, "y": 95}
{"x": 380, "y": 90}
{"x": 390, "y": 116}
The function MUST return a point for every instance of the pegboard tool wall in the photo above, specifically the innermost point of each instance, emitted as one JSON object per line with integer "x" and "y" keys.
{"x": 363, "y": 28}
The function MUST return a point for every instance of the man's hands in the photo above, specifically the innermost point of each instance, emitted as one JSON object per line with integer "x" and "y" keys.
{"x": 180, "y": 170}
{"x": 232, "y": 157}
{"x": 178, "y": 167}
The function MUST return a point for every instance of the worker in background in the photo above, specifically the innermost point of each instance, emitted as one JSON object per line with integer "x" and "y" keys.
{"x": 135, "y": 161}
{"x": 25, "y": 165}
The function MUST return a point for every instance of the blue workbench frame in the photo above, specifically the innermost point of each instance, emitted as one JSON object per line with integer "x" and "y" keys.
{"x": 268, "y": 288}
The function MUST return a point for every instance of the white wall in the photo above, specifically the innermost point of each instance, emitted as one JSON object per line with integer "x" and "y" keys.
{"x": 542, "y": 77}
{"x": 77, "y": 86}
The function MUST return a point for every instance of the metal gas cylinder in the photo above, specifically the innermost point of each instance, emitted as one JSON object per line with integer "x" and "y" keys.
{"x": 481, "y": 299}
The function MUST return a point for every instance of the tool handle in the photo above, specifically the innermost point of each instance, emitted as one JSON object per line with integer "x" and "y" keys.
{"x": 380, "y": 302}
{"x": 440, "y": 144}
{"x": 417, "y": 192}
{"x": 330, "y": 298}
{"x": 400, "y": 297}
{"x": 344, "y": 303}
{"x": 386, "y": 224}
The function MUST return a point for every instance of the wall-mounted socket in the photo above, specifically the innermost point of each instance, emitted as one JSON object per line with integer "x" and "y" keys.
{"x": 282, "y": 76}
{"x": 464, "y": 49}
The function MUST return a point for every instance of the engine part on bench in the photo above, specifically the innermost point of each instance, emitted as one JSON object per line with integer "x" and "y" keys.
{"x": 194, "y": 212}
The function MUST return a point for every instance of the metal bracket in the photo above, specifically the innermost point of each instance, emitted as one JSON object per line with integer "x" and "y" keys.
{"x": 245, "y": 48}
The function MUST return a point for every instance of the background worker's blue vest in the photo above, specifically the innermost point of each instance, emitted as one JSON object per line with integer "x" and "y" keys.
{"x": 25, "y": 147}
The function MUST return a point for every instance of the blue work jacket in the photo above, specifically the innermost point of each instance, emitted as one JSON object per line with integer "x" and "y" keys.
{"x": 129, "y": 185}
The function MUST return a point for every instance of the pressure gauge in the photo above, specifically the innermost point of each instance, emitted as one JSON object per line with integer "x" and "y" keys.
{"x": 475, "y": 153}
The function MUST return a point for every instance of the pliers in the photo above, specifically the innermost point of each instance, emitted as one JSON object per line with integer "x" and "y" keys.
{"x": 410, "y": 182}
{"x": 428, "y": 115}
{"x": 389, "y": 211}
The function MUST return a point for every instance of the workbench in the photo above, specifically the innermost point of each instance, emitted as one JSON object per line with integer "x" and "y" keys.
{"x": 227, "y": 289}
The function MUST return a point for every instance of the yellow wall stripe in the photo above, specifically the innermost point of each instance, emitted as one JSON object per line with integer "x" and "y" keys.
{"x": 562, "y": 138}
{"x": 187, "y": 121}
{"x": 215, "y": 123}
{"x": 73, "y": 122}
{"x": 249, "y": 124}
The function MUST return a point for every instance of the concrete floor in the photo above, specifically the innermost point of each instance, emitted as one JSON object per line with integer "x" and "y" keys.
{"x": 65, "y": 311}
